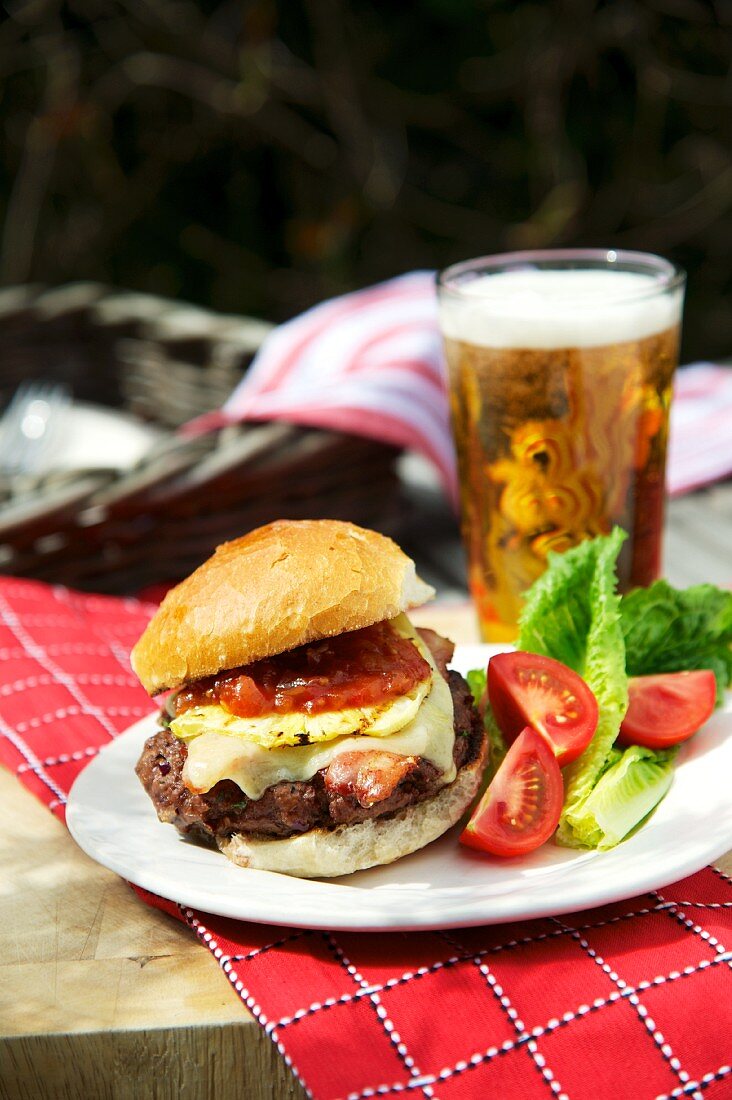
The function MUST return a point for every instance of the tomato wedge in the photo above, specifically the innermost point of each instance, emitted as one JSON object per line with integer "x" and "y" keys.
{"x": 526, "y": 689}
{"x": 667, "y": 708}
{"x": 521, "y": 807}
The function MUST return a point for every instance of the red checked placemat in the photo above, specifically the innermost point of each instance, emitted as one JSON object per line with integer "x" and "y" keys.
{"x": 631, "y": 1000}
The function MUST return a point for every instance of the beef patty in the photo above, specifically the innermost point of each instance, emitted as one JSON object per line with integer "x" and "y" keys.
{"x": 288, "y": 808}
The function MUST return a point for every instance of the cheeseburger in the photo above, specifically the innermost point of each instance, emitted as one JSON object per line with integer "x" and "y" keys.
{"x": 310, "y": 728}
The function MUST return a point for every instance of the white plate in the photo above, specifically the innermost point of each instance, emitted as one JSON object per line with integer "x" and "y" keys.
{"x": 443, "y": 886}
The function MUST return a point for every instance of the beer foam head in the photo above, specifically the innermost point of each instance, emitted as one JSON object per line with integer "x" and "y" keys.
{"x": 540, "y": 308}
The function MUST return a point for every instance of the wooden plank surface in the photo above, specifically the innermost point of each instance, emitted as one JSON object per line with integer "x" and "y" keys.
{"x": 102, "y": 996}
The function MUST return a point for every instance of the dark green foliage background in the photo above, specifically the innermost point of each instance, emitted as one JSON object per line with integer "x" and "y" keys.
{"x": 257, "y": 156}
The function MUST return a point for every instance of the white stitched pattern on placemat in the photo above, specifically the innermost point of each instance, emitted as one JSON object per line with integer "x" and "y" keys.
{"x": 505, "y": 1002}
{"x": 649, "y": 1024}
{"x": 32, "y": 761}
{"x": 206, "y": 938}
{"x": 37, "y": 652}
{"x": 387, "y": 1024}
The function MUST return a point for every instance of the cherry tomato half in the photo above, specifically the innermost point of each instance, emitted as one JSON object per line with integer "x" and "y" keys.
{"x": 526, "y": 689}
{"x": 521, "y": 807}
{"x": 667, "y": 708}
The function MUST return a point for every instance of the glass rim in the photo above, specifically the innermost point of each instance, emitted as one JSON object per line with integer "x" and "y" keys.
{"x": 669, "y": 276}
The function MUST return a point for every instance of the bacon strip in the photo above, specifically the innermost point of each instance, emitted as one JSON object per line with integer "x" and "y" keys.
{"x": 369, "y": 777}
{"x": 441, "y": 648}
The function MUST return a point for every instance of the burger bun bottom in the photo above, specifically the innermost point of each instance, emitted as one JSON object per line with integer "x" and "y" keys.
{"x": 322, "y": 853}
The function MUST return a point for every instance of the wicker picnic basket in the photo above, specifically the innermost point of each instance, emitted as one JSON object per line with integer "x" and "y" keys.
{"x": 166, "y": 363}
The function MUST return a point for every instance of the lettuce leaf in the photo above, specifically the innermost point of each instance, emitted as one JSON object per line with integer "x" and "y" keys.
{"x": 497, "y": 747}
{"x": 667, "y": 630}
{"x": 477, "y": 679}
{"x": 572, "y": 614}
{"x": 625, "y": 793}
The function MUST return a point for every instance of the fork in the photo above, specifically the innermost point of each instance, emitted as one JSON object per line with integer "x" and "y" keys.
{"x": 30, "y": 425}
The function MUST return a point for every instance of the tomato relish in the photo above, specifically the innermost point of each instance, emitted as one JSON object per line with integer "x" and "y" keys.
{"x": 359, "y": 669}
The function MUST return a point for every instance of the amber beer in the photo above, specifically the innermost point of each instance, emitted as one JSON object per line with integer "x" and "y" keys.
{"x": 560, "y": 385}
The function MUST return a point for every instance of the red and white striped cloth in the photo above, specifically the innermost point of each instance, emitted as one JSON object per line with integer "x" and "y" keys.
{"x": 700, "y": 439}
{"x": 371, "y": 363}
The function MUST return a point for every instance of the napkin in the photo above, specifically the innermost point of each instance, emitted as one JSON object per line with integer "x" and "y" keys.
{"x": 631, "y": 1000}
{"x": 371, "y": 363}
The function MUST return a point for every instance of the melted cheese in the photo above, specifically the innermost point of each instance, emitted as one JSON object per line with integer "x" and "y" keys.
{"x": 429, "y": 733}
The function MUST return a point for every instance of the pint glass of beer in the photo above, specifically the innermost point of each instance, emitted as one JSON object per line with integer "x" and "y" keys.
{"x": 560, "y": 367}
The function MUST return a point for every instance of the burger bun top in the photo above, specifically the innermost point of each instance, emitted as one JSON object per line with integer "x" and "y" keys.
{"x": 278, "y": 587}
